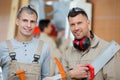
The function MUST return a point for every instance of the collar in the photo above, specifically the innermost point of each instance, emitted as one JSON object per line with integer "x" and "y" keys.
{"x": 94, "y": 41}
{"x": 24, "y": 42}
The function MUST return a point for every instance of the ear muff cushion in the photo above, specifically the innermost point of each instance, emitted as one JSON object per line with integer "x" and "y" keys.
{"x": 76, "y": 44}
{"x": 86, "y": 43}
{"x": 81, "y": 44}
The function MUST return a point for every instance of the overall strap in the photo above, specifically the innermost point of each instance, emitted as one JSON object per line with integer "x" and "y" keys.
{"x": 12, "y": 54}
{"x": 37, "y": 54}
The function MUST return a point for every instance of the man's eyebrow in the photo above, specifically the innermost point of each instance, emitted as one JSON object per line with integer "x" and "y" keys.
{"x": 32, "y": 20}
{"x": 79, "y": 22}
{"x": 24, "y": 20}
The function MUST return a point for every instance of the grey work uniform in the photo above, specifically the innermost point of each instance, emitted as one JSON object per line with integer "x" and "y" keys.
{"x": 24, "y": 53}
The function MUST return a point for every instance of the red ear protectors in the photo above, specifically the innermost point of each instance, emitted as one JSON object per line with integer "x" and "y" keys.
{"x": 82, "y": 44}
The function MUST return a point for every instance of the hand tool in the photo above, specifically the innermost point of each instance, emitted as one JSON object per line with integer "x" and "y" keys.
{"x": 102, "y": 59}
{"x": 62, "y": 74}
{"x": 21, "y": 74}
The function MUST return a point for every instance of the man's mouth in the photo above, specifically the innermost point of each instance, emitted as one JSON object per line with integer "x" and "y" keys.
{"x": 78, "y": 33}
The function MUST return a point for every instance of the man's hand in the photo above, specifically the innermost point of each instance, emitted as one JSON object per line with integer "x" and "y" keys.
{"x": 79, "y": 72}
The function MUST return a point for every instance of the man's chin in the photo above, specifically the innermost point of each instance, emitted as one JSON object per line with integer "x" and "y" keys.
{"x": 27, "y": 35}
{"x": 78, "y": 37}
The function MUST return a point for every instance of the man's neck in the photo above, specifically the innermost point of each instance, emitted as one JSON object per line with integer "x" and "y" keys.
{"x": 23, "y": 38}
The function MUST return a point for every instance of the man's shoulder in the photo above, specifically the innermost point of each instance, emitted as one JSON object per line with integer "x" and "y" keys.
{"x": 101, "y": 41}
{"x": 104, "y": 42}
{"x": 69, "y": 51}
{"x": 3, "y": 47}
{"x": 3, "y": 44}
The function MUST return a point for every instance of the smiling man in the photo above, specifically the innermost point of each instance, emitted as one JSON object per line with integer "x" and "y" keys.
{"x": 25, "y": 52}
{"x": 86, "y": 47}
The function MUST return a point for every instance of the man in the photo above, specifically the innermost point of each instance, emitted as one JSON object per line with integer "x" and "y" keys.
{"x": 46, "y": 28}
{"x": 86, "y": 47}
{"x": 36, "y": 66}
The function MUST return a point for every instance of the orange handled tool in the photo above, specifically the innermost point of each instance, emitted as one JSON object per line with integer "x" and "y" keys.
{"x": 61, "y": 70}
{"x": 21, "y": 74}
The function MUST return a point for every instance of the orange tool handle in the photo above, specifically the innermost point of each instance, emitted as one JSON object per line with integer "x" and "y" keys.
{"x": 62, "y": 72}
{"x": 21, "y": 74}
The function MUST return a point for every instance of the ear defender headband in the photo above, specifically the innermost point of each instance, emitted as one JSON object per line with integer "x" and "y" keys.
{"x": 82, "y": 44}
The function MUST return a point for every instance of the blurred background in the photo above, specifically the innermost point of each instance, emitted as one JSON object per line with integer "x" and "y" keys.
{"x": 104, "y": 16}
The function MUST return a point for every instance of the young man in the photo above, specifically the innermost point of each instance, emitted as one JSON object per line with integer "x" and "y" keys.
{"x": 46, "y": 28}
{"x": 86, "y": 47}
{"x": 25, "y": 55}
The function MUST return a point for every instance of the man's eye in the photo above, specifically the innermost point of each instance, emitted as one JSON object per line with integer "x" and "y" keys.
{"x": 24, "y": 20}
{"x": 72, "y": 25}
{"x": 33, "y": 21}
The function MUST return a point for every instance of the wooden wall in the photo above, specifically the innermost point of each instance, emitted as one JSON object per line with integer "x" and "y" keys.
{"x": 106, "y": 19}
{"x": 4, "y": 18}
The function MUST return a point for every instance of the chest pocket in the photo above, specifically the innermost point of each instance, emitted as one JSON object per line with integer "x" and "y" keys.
{"x": 20, "y": 71}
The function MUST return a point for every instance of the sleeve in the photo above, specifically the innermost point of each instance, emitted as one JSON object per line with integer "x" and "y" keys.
{"x": 46, "y": 63}
{"x": 65, "y": 64}
{"x": 2, "y": 50}
{"x": 64, "y": 46}
{"x": 111, "y": 70}
{"x": 54, "y": 52}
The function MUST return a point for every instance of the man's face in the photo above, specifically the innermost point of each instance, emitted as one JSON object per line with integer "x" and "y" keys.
{"x": 48, "y": 29}
{"x": 26, "y": 24}
{"x": 80, "y": 26}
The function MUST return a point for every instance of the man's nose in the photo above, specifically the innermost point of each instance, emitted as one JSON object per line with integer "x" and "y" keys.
{"x": 76, "y": 27}
{"x": 28, "y": 24}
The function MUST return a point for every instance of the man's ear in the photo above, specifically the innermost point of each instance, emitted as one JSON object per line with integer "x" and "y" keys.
{"x": 89, "y": 26}
{"x": 17, "y": 21}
